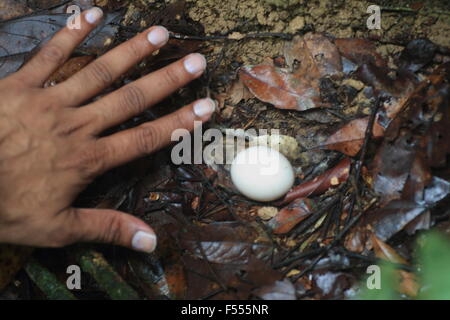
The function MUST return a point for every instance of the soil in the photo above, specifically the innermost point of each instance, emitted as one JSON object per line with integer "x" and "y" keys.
{"x": 338, "y": 18}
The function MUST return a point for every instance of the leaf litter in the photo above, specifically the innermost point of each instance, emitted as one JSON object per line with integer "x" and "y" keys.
{"x": 370, "y": 156}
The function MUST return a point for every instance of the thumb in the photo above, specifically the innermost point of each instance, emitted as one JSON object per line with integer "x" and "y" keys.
{"x": 108, "y": 226}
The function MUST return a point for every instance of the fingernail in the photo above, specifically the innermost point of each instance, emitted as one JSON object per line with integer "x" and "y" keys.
{"x": 94, "y": 15}
{"x": 158, "y": 36}
{"x": 204, "y": 107}
{"x": 195, "y": 63}
{"x": 144, "y": 241}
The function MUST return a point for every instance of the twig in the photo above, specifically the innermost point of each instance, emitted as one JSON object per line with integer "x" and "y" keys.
{"x": 47, "y": 282}
{"x": 328, "y": 247}
{"x": 285, "y": 36}
{"x": 109, "y": 280}
{"x": 398, "y": 9}
{"x": 254, "y": 35}
{"x": 293, "y": 259}
{"x": 359, "y": 163}
{"x": 284, "y": 261}
{"x": 218, "y": 195}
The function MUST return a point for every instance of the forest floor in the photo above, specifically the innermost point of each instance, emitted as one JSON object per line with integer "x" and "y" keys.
{"x": 216, "y": 244}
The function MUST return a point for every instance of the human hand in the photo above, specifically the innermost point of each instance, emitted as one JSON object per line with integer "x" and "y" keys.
{"x": 50, "y": 148}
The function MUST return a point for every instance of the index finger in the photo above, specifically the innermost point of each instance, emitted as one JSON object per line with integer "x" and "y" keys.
{"x": 54, "y": 53}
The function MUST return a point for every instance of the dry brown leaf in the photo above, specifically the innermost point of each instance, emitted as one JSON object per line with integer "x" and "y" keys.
{"x": 238, "y": 92}
{"x": 316, "y": 56}
{"x": 386, "y": 252}
{"x": 310, "y": 57}
{"x": 291, "y": 215}
{"x": 350, "y": 138}
{"x": 279, "y": 87}
{"x": 320, "y": 184}
{"x": 68, "y": 69}
{"x": 360, "y": 51}
{"x": 408, "y": 280}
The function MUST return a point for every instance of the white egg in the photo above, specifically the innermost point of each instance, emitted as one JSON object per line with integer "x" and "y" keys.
{"x": 262, "y": 174}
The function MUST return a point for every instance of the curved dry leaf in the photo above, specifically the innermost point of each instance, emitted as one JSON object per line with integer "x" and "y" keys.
{"x": 238, "y": 92}
{"x": 279, "y": 87}
{"x": 315, "y": 54}
{"x": 360, "y": 51}
{"x": 320, "y": 184}
{"x": 396, "y": 216}
{"x": 386, "y": 252}
{"x": 350, "y": 138}
{"x": 68, "y": 69}
{"x": 310, "y": 57}
{"x": 400, "y": 85}
{"x": 291, "y": 215}
{"x": 408, "y": 280}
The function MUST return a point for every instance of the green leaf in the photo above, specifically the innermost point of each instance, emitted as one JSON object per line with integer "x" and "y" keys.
{"x": 434, "y": 256}
{"x": 388, "y": 286}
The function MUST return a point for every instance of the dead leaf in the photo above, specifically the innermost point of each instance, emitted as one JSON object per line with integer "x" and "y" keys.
{"x": 12, "y": 259}
{"x": 280, "y": 290}
{"x": 229, "y": 254}
{"x": 10, "y": 9}
{"x": 320, "y": 184}
{"x": 360, "y": 51}
{"x": 21, "y": 37}
{"x": 311, "y": 58}
{"x": 350, "y": 138}
{"x": 316, "y": 56}
{"x": 417, "y": 54}
{"x": 238, "y": 92}
{"x": 386, "y": 252}
{"x": 236, "y": 36}
{"x": 278, "y": 87}
{"x": 331, "y": 285}
{"x": 291, "y": 215}
{"x": 392, "y": 165}
{"x": 68, "y": 69}
{"x": 224, "y": 243}
{"x": 405, "y": 145}
{"x": 408, "y": 280}
{"x": 395, "y": 216}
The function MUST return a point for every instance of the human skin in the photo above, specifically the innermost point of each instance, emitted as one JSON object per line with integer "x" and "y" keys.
{"x": 50, "y": 143}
